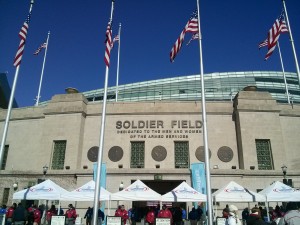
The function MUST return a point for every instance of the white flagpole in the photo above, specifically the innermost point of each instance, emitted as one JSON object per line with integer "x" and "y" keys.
{"x": 292, "y": 41}
{"x": 205, "y": 141}
{"x": 11, "y": 100}
{"x": 42, "y": 74}
{"x": 118, "y": 65}
{"x": 101, "y": 141}
{"x": 284, "y": 77}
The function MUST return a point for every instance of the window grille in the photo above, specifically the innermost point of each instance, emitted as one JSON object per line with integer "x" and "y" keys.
{"x": 264, "y": 154}
{"x": 137, "y": 154}
{"x": 5, "y": 155}
{"x": 5, "y": 196}
{"x": 181, "y": 154}
{"x": 58, "y": 157}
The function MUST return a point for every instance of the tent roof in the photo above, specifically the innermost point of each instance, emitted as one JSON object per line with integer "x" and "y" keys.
{"x": 47, "y": 190}
{"x": 280, "y": 192}
{"x": 85, "y": 193}
{"x": 184, "y": 193}
{"x": 233, "y": 192}
{"x": 137, "y": 191}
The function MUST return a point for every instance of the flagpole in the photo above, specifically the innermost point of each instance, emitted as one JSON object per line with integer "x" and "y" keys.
{"x": 11, "y": 99}
{"x": 292, "y": 41}
{"x": 207, "y": 163}
{"x": 118, "y": 65}
{"x": 42, "y": 74}
{"x": 283, "y": 72}
{"x": 101, "y": 141}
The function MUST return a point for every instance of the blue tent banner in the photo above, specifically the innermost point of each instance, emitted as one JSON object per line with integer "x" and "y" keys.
{"x": 198, "y": 178}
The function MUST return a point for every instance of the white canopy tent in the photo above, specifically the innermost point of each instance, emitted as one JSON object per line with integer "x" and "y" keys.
{"x": 233, "y": 192}
{"x": 184, "y": 193}
{"x": 137, "y": 191}
{"x": 279, "y": 192}
{"x": 86, "y": 193}
{"x": 47, "y": 190}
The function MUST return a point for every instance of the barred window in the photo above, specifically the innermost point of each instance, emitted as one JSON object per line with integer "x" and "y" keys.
{"x": 5, "y": 155}
{"x": 137, "y": 154}
{"x": 264, "y": 154}
{"x": 58, "y": 157}
{"x": 5, "y": 196}
{"x": 181, "y": 154}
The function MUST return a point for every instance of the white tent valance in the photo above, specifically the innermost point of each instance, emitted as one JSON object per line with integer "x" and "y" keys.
{"x": 47, "y": 190}
{"x": 137, "y": 191}
{"x": 86, "y": 193}
{"x": 184, "y": 193}
{"x": 279, "y": 192}
{"x": 233, "y": 192}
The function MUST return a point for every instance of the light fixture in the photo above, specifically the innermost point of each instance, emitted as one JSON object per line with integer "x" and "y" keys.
{"x": 252, "y": 167}
{"x": 15, "y": 186}
{"x": 45, "y": 169}
{"x": 121, "y": 186}
{"x": 284, "y": 170}
{"x": 216, "y": 167}
{"x": 233, "y": 167}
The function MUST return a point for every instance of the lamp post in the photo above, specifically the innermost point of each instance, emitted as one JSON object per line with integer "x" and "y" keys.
{"x": 15, "y": 186}
{"x": 121, "y": 187}
{"x": 45, "y": 169}
{"x": 285, "y": 180}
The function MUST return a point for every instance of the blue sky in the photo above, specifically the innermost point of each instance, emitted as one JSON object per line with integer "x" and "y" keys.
{"x": 231, "y": 31}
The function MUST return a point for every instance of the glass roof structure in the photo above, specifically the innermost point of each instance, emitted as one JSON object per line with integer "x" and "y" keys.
{"x": 218, "y": 87}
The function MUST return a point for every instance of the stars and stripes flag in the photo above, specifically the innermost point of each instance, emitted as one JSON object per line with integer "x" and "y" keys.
{"x": 22, "y": 36}
{"x": 195, "y": 36}
{"x": 108, "y": 43}
{"x": 273, "y": 35}
{"x": 39, "y": 49}
{"x": 192, "y": 27}
{"x": 116, "y": 39}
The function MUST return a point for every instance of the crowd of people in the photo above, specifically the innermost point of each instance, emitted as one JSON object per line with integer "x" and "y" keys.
{"x": 289, "y": 215}
{"x": 177, "y": 215}
{"x": 17, "y": 214}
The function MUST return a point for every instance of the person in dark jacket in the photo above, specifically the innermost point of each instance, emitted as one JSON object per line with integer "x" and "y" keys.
{"x": 88, "y": 216}
{"x": 20, "y": 215}
{"x": 255, "y": 217}
{"x": 193, "y": 216}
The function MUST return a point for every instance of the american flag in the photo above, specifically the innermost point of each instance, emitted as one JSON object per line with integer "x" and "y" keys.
{"x": 22, "y": 36}
{"x": 116, "y": 38}
{"x": 108, "y": 43}
{"x": 195, "y": 36}
{"x": 39, "y": 49}
{"x": 191, "y": 26}
{"x": 273, "y": 35}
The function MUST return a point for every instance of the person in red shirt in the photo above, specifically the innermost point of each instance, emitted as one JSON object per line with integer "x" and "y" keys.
{"x": 122, "y": 212}
{"x": 36, "y": 216}
{"x": 51, "y": 212}
{"x": 70, "y": 215}
{"x": 165, "y": 213}
{"x": 9, "y": 213}
{"x": 150, "y": 217}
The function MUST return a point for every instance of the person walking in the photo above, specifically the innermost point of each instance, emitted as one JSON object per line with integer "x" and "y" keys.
{"x": 19, "y": 215}
{"x": 255, "y": 217}
{"x": 177, "y": 216}
{"x": 9, "y": 214}
{"x": 88, "y": 216}
{"x": 292, "y": 216}
{"x": 233, "y": 217}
